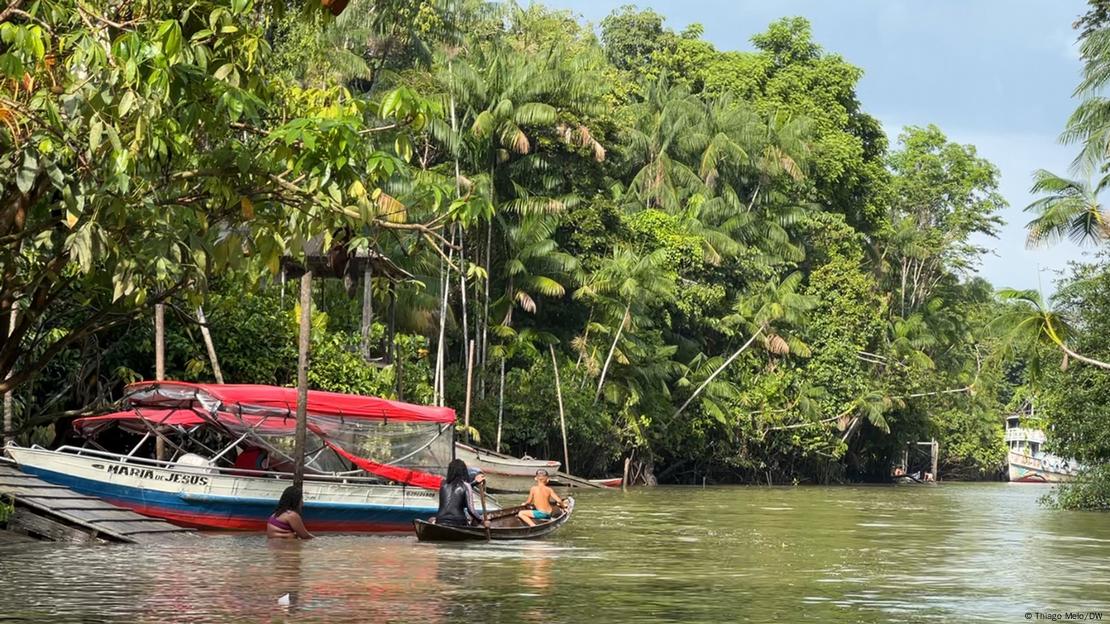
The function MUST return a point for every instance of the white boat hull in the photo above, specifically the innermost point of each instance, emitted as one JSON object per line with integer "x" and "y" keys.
{"x": 505, "y": 473}
{"x": 1046, "y": 469}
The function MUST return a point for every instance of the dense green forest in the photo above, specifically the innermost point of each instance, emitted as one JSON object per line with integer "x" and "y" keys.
{"x": 738, "y": 274}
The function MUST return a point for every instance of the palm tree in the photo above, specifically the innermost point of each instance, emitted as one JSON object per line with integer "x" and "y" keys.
{"x": 761, "y": 313}
{"x": 628, "y": 282}
{"x": 514, "y": 343}
{"x": 1069, "y": 208}
{"x": 666, "y": 118}
{"x": 534, "y": 265}
{"x": 1028, "y": 322}
{"x": 507, "y": 101}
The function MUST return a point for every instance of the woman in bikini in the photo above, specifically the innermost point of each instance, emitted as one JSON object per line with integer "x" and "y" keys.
{"x": 286, "y": 521}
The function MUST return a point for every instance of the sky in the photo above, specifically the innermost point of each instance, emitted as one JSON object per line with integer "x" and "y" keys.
{"x": 998, "y": 74}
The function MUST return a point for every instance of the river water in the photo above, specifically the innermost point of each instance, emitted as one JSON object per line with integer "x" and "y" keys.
{"x": 951, "y": 553}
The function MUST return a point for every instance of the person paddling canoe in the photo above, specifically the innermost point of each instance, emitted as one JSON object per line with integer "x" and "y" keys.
{"x": 456, "y": 497}
{"x": 540, "y": 497}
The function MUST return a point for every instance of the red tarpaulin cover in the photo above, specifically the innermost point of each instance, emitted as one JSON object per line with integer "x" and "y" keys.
{"x": 156, "y": 417}
{"x": 393, "y": 473}
{"x": 272, "y": 399}
{"x": 185, "y": 417}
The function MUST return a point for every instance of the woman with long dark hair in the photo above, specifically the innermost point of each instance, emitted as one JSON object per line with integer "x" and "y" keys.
{"x": 456, "y": 497}
{"x": 286, "y": 521}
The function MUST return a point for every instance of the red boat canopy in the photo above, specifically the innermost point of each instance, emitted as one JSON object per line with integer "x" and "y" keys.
{"x": 134, "y": 422}
{"x": 278, "y": 401}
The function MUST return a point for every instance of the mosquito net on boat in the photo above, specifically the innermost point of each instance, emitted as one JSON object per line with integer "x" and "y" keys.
{"x": 397, "y": 441}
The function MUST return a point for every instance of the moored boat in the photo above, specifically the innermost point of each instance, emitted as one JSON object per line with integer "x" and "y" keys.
{"x": 1028, "y": 463}
{"x": 611, "y": 482}
{"x": 504, "y": 525}
{"x": 202, "y": 486}
{"x": 505, "y": 473}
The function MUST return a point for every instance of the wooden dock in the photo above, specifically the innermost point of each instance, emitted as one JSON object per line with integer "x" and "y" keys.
{"x": 568, "y": 480}
{"x": 57, "y": 513}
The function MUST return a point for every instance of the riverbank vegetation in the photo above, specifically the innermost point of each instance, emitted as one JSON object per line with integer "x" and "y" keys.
{"x": 1071, "y": 329}
{"x": 738, "y": 273}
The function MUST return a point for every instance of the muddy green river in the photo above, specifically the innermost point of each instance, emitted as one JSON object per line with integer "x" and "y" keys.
{"x": 947, "y": 553}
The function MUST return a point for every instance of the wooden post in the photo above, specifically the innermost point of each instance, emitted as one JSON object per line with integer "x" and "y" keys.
{"x": 302, "y": 378}
{"x": 159, "y": 364}
{"x": 207, "y": 335}
{"x": 500, "y": 406}
{"x": 9, "y": 403}
{"x": 624, "y": 479}
{"x": 392, "y": 333}
{"x": 469, "y": 385}
{"x": 934, "y": 449}
{"x": 367, "y": 307}
{"x": 562, "y": 417}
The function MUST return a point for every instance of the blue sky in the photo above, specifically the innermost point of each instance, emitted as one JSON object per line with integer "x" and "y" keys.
{"x": 994, "y": 73}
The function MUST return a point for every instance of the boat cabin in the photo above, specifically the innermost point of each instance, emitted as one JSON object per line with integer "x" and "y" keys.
{"x": 1023, "y": 440}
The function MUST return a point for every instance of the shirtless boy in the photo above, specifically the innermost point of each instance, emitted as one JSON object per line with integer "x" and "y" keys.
{"x": 540, "y": 497}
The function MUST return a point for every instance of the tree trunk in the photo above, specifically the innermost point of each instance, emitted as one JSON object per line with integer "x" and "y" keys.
{"x": 441, "y": 349}
{"x": 302, "y": 378}
{"x": 209, "y": 346}
{"x": 159, "y": 365}
{"x": 500, "y": 405}
{"x": 720, "y": 368}
{"x": 562, "y": 416}
{"x": 9, "y": 402}
{"x": 367, "y": 322}
{"x": 1083, "y": 358}
{"x": 612, "y": 349}
{"x": 391, "y": 330}
{"x": 462, "y": 296}
{"x": 469, "y": 387}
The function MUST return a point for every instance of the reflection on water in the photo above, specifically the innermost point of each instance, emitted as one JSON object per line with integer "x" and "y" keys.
{"x": 954, "y": 552}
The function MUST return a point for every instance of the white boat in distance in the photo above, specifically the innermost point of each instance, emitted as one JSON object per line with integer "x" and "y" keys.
{"x": 1028, "y": 463}
{"x": 505, "y": 473}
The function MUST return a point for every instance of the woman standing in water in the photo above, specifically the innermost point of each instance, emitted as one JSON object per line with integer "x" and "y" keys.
{"x": 286, "y": 521}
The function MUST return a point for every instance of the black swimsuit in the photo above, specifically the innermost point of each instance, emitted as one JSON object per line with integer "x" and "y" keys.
{"x": 456, "y": 504}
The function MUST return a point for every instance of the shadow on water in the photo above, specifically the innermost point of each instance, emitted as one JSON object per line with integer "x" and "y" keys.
{"x": 954, "y": 552}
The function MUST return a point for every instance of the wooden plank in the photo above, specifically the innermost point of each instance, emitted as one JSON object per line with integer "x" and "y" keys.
{"x": 20, "y": 477}
{"x": 29, "y": 483}
{"x": 98, "y": 515}
{"x": 69, "y": 503}
{"x": 43, "y": 492}
{"x": 26, "y": 521}
{"x": 11, "y": 538}
{"x": 124, "y": 527}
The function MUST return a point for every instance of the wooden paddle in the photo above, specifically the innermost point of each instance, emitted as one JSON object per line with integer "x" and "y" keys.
{"x": 485, "y": 520}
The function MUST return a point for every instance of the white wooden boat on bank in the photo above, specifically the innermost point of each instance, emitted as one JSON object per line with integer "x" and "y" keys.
{"x": 505, "y": 473}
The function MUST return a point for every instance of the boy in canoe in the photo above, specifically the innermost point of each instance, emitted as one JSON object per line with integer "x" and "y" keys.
{"x": 540, "y": 497}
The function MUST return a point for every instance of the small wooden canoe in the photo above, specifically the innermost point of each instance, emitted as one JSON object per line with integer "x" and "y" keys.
{"x": 611, "y": 482}
{"x": 504, "y": 525}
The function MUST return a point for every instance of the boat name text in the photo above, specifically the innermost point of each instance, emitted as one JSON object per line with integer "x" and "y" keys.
{"x": 147, "y": 473}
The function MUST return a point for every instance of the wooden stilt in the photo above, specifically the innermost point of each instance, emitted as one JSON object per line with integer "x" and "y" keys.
{"x": 624, "y": 479}
{"x": 302, "y": 378}
{"x": 469, "y": 388}
{"x": 160, "y": 364}
{"x": 934, "y": 457}
{"x": 367, "y": 309}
